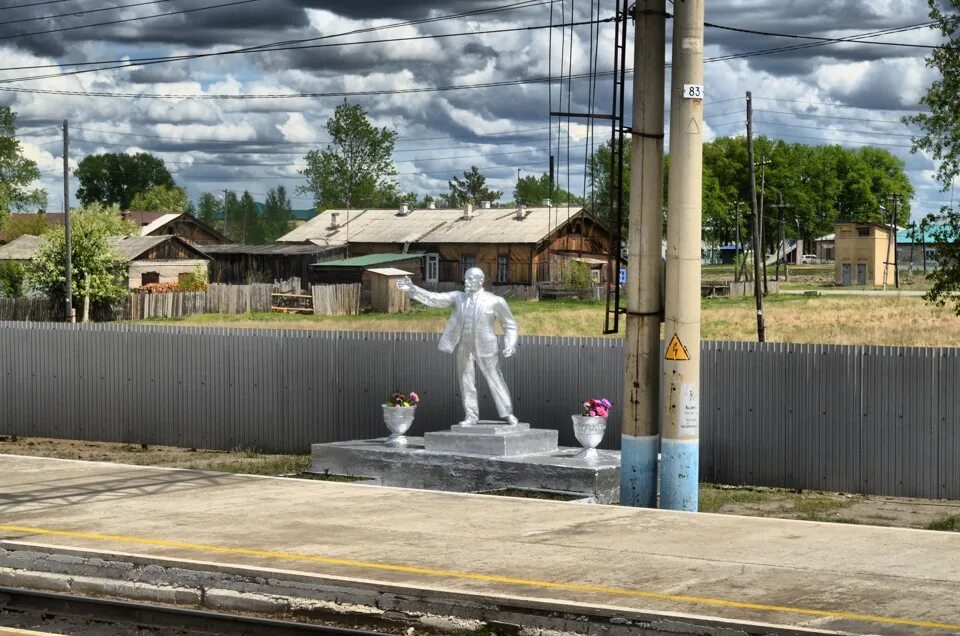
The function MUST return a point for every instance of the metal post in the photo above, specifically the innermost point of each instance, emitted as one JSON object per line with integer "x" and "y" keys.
{"x": 641, "y": 381}
{"x": 680, "y": 439}
{"x": 71, "y": 315}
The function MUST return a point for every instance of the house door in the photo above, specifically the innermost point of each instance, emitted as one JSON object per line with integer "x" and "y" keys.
{"x": 844, "y": 274}
{"x": 861, "y": 274}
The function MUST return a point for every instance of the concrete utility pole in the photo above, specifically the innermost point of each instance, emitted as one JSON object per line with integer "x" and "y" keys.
{"x": 763, "y": 182}
{"x": 680, "y": 440}
{"x": 782, "y": 249}
{"x": 757, "y": 243}
{"x": 71, "y": 315}
{"x": 641, "y": 380}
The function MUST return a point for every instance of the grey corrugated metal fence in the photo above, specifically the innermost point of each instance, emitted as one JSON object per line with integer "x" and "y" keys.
{"x": 882, "y": 420}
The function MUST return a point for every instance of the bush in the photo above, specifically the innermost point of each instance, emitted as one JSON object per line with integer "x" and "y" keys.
{"x": 196, "y": 281}
{"x": 577, "y": 275}
{"x": 12, "y": 277}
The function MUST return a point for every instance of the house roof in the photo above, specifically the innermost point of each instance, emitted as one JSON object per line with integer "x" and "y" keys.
{"x": 278, "y": 249}
{"x": 368, "y": 260}
{"x": 389, "y": 271}
{"x": 929, "y": 235}
{"x": 21, "y": 248}
{"x": 130, "y": 248}
{"x": 158, "y": 223}
{"x": 485, "y": 225}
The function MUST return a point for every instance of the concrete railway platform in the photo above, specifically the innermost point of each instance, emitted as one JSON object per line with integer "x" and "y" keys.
{"x": 453, "y": 561}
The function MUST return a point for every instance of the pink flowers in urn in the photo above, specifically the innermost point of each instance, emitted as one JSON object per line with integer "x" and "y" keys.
{"x": 401, "y": 399}
{"x": 596, "y": 408}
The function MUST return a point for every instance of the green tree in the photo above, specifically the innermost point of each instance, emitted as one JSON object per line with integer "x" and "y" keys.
{"x": 20, "y": 224}
{"x": 98, "y": 272}
{"x": 17, "y": 172}
{"x": 116, "y": 178}
{"x": 940, "y": 137}
{"x": 599, "y": 175}
{"x": 355, "y": 169}
{"x": 535, "y": 191}
{"x": 12, "y": 276}
{"x": 209, "y": 209}
{"x": 241, "y": 218}
{"x": 471, "y": 188}
{"x": 277, "y": 215}
{"x": 160, "y": 198}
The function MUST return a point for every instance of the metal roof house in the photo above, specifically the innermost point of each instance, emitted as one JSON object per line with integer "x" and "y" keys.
{"x": 149, "y": 259}
{"x": 518, "y": 246}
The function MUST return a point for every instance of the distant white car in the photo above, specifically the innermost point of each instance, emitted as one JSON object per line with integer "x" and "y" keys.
{"x": 809, "y": 259}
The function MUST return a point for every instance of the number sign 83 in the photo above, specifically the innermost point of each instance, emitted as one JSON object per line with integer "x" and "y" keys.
{"x": 693, "y": 91}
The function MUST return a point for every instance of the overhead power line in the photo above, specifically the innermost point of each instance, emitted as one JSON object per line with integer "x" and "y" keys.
{"x": 136, "y": 63}
{"x": 126, "y": 20}
{"x": 270, "y": 46}
{"x": 32, "y": 4}
{"x": 821, "y": 116}
{"x": 825, "y": 40}
{"x": 79, "y": 13}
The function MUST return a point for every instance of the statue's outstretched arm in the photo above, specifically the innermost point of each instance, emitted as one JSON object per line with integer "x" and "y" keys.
{"x": 438, "y": 300}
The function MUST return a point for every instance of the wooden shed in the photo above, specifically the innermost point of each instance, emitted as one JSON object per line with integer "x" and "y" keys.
{"x": 384, "y": 295}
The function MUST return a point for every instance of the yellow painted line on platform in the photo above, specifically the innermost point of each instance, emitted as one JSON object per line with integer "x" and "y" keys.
{"x": 491, "y": 578}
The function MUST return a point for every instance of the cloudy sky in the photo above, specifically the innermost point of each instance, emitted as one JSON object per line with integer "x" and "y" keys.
{"x": 243, "y": 119}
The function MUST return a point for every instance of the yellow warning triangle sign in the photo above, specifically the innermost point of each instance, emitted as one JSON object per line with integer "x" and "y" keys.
{"x": 676, "y": 350}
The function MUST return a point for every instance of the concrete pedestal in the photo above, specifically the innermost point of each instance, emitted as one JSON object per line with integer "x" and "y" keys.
{"x": 492, "y": 438}
{"x": 418, "y": 467}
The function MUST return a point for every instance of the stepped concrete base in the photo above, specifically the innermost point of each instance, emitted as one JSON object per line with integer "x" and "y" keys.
{"x": 489, "y": 437}
{"x": 414, "y": 466}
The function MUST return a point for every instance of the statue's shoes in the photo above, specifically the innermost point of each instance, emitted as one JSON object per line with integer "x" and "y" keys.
{"x": 468, "y": 423}
{"x": 512, "y": 420}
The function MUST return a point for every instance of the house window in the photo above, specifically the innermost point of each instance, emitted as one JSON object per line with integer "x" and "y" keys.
{"x": 149, "y": 278}
{"x": 466, "y": 262}
{"x": 502, "y": 269}
{"x": 433, "y": 268}
{"x": 863, "y": 231}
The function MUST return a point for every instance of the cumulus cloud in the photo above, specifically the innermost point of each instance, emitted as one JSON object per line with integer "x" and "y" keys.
{"x": 807, "y": 92}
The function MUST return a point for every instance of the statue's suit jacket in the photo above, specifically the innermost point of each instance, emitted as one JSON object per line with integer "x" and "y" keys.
{"x": 488, "y": 309}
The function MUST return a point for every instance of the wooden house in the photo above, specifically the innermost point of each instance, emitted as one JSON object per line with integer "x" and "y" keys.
{"x": 158, "y": 259}
{"x": 513, "y": 246}
{"x": 183, "y": 225}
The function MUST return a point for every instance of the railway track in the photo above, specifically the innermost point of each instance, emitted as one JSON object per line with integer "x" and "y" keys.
{"x": 31, "y": 609}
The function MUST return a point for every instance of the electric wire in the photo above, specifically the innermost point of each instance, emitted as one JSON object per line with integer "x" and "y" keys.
{"x": 125, "y": 20}
{"x": 84, "y": 12}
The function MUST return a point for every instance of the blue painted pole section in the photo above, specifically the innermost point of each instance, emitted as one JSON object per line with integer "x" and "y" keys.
{"x": 638, "y": 470}
{"x": 681, "y": 461}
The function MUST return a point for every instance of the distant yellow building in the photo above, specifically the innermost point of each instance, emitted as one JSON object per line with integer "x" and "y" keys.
{"x": 863, "y": 252}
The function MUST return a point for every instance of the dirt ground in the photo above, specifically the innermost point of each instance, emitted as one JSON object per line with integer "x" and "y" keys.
{"x": 755, "y": 502}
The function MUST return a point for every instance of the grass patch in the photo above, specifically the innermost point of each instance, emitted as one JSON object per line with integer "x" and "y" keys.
{"x": 948, "y": 524}
{"x": 819, "y": 508}
{"x": 898, "y": 321}
{"x": 271, "y": 465}
{"x": 712, "y": 498}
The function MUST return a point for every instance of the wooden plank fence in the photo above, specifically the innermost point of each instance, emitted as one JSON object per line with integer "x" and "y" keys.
{"x": 239, "y": 299}
{"x": 30, "y": 309}
{"x": 166, "y": 305}
{"x": 336, "y": 300}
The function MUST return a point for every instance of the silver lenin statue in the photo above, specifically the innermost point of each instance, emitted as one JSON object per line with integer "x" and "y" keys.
{"x": 470, "y": 334}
